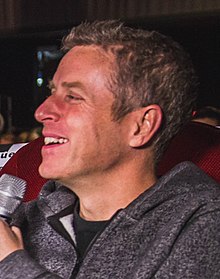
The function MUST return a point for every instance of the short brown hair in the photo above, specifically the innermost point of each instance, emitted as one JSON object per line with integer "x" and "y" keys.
{"x": 150, "y": 68}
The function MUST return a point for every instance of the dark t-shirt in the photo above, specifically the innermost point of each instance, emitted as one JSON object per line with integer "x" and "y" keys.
{"x": 86, "y": 232}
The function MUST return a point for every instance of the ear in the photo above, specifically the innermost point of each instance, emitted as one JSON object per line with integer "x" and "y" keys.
{"x": 147, "y": 122}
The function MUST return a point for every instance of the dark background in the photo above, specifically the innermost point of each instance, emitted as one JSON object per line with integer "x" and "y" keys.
{"x": 42, "y": 24}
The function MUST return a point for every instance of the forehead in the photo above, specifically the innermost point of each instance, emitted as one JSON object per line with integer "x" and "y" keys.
{"x": 88, "y": 66}
{"x": 85, "y": 58}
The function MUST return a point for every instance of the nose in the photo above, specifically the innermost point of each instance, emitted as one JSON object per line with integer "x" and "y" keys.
{"x": 47, "y": 111}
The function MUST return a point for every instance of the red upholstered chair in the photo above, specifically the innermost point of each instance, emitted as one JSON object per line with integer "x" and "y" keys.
{"x": 198, "y": 143}
{"x": 7, "y": 151}
{"x": 24, "y": 164}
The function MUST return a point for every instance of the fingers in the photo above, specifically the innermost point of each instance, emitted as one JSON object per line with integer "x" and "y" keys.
{"x": 17, "y": 234}
{"x": 10, "y": 239}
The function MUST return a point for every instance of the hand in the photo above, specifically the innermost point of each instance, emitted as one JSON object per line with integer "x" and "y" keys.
{"x": 10, "y": 239}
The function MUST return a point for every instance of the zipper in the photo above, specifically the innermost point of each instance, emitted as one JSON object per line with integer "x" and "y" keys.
{"x": 76, "y": 268}
{"x": 81, "y": 259}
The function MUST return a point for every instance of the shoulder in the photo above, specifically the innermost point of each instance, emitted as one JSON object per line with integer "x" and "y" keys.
{"x": 188, "y": 177}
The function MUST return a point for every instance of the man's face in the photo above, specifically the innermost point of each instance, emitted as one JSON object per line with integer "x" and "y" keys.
{"x": 81, "y": 139}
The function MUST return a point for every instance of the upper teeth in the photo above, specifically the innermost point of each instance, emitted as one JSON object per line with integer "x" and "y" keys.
{"x": 48, "y": 140}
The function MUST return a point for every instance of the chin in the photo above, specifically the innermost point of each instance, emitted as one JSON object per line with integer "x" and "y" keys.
{"x": 47, "y": 173}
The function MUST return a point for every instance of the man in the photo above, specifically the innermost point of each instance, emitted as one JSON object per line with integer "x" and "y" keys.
{"x": 117, "y": 98}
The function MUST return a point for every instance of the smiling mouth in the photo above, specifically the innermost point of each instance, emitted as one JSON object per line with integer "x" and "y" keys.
{"x": 51, "y": 140}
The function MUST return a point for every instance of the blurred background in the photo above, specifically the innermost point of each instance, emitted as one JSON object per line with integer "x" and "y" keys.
{"x": 31, "y": 33}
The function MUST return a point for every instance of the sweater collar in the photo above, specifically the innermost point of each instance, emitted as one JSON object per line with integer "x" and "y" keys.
{"x": 55, "y": 198}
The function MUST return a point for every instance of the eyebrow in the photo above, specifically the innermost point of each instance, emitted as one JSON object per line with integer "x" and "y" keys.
{"x": 66, "y": 84}
{"x": 73, "y": 84}
{"x": 50, "y": 84}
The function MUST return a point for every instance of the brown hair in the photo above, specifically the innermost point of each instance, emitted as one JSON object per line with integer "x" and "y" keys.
{"x": 150, "y": 68}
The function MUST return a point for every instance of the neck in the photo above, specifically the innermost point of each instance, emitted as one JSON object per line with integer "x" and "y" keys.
{"x": 101, "y": 196}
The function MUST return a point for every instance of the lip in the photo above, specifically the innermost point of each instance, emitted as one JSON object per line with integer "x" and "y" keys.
{"x": 46, "y": 149}
{"x": 54, "y": 140}
{"x": 52, "y": 134}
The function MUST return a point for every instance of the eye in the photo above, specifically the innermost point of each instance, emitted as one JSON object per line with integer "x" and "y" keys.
{"x": 73, "y": 98}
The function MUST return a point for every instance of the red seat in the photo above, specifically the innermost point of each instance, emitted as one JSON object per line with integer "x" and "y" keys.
{"x": 198, "y": 143}
{"x": 24, "y": 164}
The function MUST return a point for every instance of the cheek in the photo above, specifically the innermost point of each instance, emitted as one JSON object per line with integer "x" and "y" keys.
{"x": 78, "y": 117}
{"x": 92, "y": 128}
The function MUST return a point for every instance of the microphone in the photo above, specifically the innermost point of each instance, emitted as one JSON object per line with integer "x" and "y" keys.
{"x": 12, "y": 190}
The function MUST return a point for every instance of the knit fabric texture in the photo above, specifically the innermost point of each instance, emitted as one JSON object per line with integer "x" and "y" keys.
{"x": 170, "y": 231}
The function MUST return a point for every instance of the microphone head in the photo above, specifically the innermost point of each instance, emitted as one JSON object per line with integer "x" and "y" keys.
{"x": 12, "y": 190}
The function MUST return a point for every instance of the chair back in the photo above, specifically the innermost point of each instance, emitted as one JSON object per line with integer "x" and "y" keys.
{"x": 24, "y": 164}
{"x": 198, "y": 143}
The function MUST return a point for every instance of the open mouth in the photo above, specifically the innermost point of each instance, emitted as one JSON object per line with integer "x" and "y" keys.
{"x": 51, "y": 140}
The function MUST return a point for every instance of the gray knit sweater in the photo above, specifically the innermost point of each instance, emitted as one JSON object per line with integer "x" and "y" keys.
{"x": 170, "y": 231}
